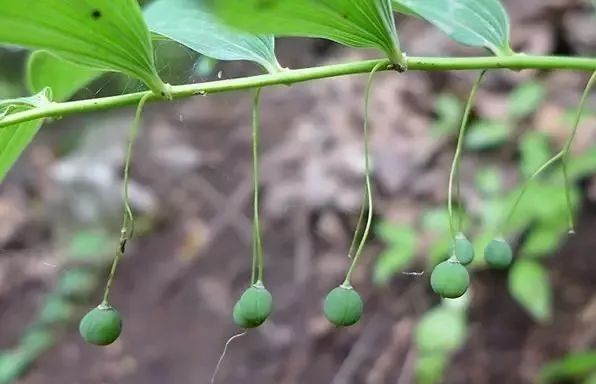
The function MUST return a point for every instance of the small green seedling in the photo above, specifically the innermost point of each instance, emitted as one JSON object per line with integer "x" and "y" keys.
{"x": 253, "y": 307}
{"x": 343, "y": 306}
{"x": 101, "y": 325}
{"x": 450, "y": 279}
{"x": 498, "y": 254}
{"x": 462, "y": 249}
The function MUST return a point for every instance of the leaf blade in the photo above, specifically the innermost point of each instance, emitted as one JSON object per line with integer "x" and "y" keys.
{"x": 62, "y": 77}
{"x": 481, "y": 23}
{"x": 104, "y": 34}
{"x": 530, "y": 286}
{"x": 355, "y": 23}
{"x": 190, "y": 23}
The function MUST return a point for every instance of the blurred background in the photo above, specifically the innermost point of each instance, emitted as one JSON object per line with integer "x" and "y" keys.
{"x": 61, "y": 205}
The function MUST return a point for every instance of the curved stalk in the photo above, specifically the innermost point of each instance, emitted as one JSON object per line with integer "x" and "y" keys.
{"x": 567, "y": 148}
{"x": 367, "y": 182}
{"x": 257, "y": 244}
{"x": 458, "y": 151}
{"x": 128, "y": 220}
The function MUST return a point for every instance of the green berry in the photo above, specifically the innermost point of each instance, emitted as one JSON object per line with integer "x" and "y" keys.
{"x": 343, "y": 306}
{"x": 101, "y": 325}
{"x": 498, "y": 254}
{"x": 253, "y": 307}
{"x": 450, "y": 279}
{"x": 462, "y": 249}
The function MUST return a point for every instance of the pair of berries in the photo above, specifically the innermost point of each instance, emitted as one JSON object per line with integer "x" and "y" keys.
{"x": 450, "y": 279}
{"x": 343, "y": 306}
{"x": 103, "y": 324}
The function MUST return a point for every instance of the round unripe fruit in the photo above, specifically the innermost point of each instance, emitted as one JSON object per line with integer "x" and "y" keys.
{"x": 101, "y": 325}
{"x": 343, "y": 306}
{"x": 462, "y": 249}
{"x": 253, "y": 307}
{"x": 498, "y": 254}
{"x": 450, "y": 279}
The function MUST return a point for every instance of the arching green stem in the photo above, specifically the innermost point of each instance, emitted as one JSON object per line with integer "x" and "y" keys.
{"x": 128, "y": 221}
{"x": 458, "y": 152}
{"x": 567, "y": 148}
{"x": 367, "y": 182}
{"x": 299, "y": 75}
{"x": 542, "y": 168}
{"x": 257, "y": 245}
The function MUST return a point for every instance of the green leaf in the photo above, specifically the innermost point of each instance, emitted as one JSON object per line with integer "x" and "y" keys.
{"x": 544, "y": 238}
{"x": 430, "y": 368}
{"x": 204, "y": 66}
{"x": 479, "y": 23}
{"x": 62, "y": 77}
{"x": 56, "y": 309}
{"x": 583, "y": 165}
{"x": 591, "y": 379}
{"x": 535, "y": 151}
{"x": 571, "y": 367}
{"x": 13, "y": 141}
{"x": 355, "y": 23}
{"x": 86, "y": 244}
{"x": 441, "y": 329}
{"x": 525, "y": 100}
{"x": 399, "y": 253}
{"x": 190, "y": 23}
{"x": 530, "y": 285}
{"x": 15, "y": 138}
{"x": 489, "y": 180}
{"x": 104, "y": 34}
{"x": 486, "y": 134}
{"x": 544, "y": 202}
{"x": 448, "y": 109}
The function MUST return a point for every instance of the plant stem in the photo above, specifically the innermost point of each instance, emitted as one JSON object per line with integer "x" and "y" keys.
{"x": 567, "y": 148}
{"x": 519, "y": 61}
{"x": 458, "y": 151}
{"x": 128, "y": 221}
{"x": 358, "y": 225}
{"x": 562, "y": 155}
{"x": 367, "y": 183}
{"x": 258, "y": 246}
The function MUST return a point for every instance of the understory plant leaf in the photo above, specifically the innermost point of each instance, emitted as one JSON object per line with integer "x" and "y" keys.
{"x": 355, "y": 23}
{"x": 63, "y": 77}
{"x": 441, "y": 329}
{"x": 401, "y": 248}
{"x": 530, "y": 285}
{"x": 192, "y": 23}
{"x": 103, "y": 34}
{"x": 571, "y": 368}
{"x": 15, "y": 138}
{"x": 479, "y": 23}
